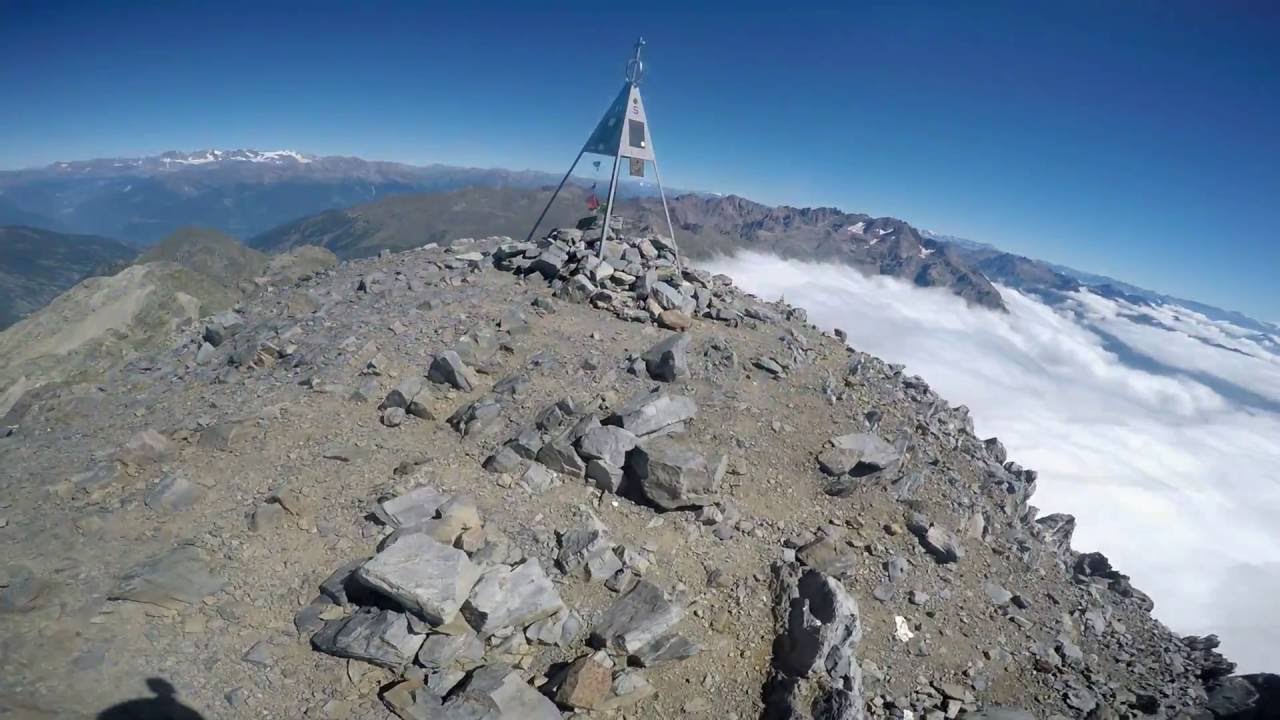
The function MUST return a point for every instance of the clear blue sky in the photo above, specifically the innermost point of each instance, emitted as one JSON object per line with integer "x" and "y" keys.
{"x": 1137, "y": 139}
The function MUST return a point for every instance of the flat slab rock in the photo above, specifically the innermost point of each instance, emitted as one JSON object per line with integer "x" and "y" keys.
{"x": 174, "y": 580}
{"x": 499, "y": 692}
{"x": 411, "y": 508}
{"x": 506, "y": 598}
{"x": 378, "y": 637}
{"x": 643, "y": 614}
{"x": 425, "y": 576}
{"x": 847, "y": 452}
{"x": 648, "y": 413}
{"x": 608, "y": 443}
{"x": 440, "y": 651}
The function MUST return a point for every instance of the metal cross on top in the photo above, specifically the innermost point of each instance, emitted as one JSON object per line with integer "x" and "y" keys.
{"x": 622, "y": 132}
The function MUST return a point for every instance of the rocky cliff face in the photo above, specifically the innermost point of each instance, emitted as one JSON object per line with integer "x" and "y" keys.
{"x": 543, "y": 480}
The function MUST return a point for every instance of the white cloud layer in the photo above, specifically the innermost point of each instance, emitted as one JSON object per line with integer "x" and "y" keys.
{"x": 1167, "y": 451}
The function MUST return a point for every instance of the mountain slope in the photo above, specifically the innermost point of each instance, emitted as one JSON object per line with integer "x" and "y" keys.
{"x": 36, "y": 265}
{"x": 885, "y": 246}
{"x": 704, "y": 225}
{"x": 799, "y": 524}
{"x": 208, "y": 252}
{"x": 411, "y": 221}
{"x": 102, "y": 321}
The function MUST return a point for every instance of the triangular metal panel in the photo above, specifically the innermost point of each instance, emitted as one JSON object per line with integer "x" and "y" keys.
{"x": 636, "y": 142}
{"x": 624, "y": 129}
{"x": 608, "y": 133}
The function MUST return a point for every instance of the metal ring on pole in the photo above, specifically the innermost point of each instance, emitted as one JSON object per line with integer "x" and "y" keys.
{"x": 635, "y": 68}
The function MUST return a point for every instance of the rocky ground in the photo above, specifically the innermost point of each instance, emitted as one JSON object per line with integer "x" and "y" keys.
{"x": 513, "y": 481}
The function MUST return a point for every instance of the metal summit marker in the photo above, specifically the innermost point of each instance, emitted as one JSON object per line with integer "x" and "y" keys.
{"x": 622, "y": 132}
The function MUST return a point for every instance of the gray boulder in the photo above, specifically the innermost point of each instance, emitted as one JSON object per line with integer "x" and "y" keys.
{"x": 504, "y": 460}
{"x": 579, "y": 288}
{"x": 836, "y": 461}
{"x": 820, "y": 622}
{"x": 608, "y": 443}
{"x": 995, "y": 450}
{"x": 560, "y": 629}
{"x": 869, "y": 452}
{"x": 403, "y": 394}
{"x": 411, "y": 508}
{"x": 670, "y": 474}
{"x": 498, "y": 692}
{"x": 463, "y": 650}
{"x": 670, "y": 647}
{"x": 550, "y": 261}
{"x": 447, "y": 368}
{"x": 604, "y": 475}
{"x": 379, "y": 637}
{"x": 816, "y": 672}
{"x": 507, "y": 598}
{"x": 669, "y": 298}
{"x": 940, "y": 543}
{"x": 830, "y": 555}
{"x": 588, "y": 549}
{"x": 996, "y": 593}
{"x": 558, "y": 455}
{"x": 476, "y": 418}
{"x": 340, "y": 582}
{"x": 640, "y": 616}
{"x": 538, "y": 478}
{"x": 425, "y": 576}
{"x": 648, "y": 413}
{"x": 1056, "y": 531}
{"x": 668, "y": 360}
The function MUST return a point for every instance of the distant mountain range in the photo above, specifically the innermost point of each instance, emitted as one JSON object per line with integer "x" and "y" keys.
{"x": 281, "y": 199}
{"x": 239, "y": 192}
{"x": 706, "y": 225}
{"x": 1046, "y": 279}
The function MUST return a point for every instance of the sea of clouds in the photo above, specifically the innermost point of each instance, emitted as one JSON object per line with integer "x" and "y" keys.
{"x": 1158, "y": 428}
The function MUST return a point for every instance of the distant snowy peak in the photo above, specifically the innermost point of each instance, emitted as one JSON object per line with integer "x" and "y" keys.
{"x": 202, "y": 157}
{"x": 177, "y": 160}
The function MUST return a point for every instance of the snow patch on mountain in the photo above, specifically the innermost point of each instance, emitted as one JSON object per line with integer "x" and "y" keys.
{"x": 203, "y": 157}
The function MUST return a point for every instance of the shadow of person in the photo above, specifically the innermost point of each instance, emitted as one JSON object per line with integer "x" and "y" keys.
{"x": 164, "y": 706}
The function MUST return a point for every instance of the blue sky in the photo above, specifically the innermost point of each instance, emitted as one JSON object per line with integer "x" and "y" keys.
{"x": 1136, "y": 139}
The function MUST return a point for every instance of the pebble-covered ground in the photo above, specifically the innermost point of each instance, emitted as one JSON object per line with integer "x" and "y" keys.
{"x": 171, "y": 521}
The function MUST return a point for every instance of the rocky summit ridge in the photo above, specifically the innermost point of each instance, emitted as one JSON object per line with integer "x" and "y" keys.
{"x": 542, "y": 480}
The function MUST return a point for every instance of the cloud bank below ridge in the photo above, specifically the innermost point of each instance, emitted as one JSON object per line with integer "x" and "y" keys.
{"x": 1156, "y": 427}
